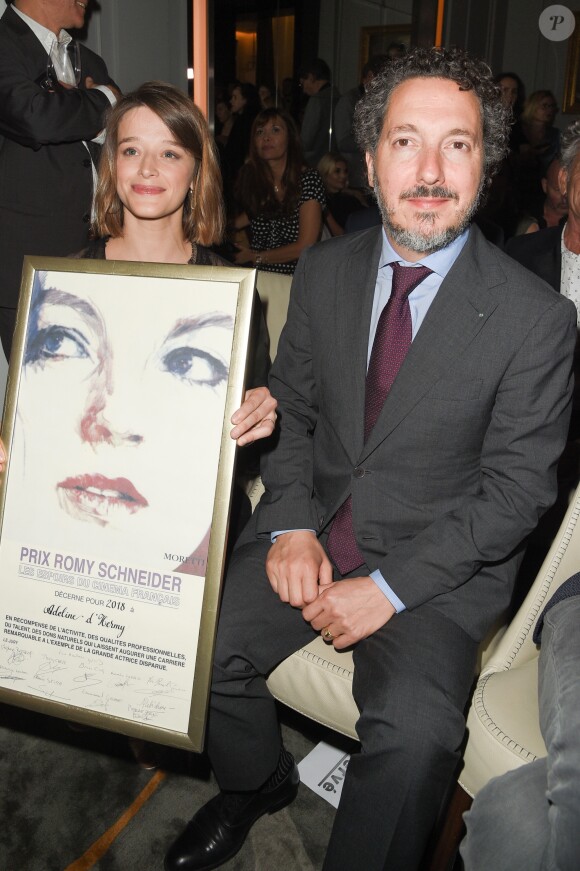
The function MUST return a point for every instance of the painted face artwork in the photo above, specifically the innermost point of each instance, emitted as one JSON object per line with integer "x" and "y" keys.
{"x": 121, "y": 406}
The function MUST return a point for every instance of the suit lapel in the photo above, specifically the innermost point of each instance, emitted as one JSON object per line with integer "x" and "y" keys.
{"x": 457, "y": 314}
{"x": 29, "y": 42}
{"x": 352, "y": 311}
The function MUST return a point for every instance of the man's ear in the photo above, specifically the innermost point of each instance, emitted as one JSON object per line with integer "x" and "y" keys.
{"x": 563, "y": 181}
{"x": 370, "y": 168}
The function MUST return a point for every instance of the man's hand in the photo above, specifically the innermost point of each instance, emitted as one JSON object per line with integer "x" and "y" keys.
{"x": 2, "y": 456}
{"x": 255, "y": 418}
{"x": 298, "y": 568}
{"x": 90, "y": 83}
{"x": 351, "y": 609}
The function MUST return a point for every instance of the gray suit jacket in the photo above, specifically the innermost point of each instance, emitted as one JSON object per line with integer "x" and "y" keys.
{"x": 462, "y": 460}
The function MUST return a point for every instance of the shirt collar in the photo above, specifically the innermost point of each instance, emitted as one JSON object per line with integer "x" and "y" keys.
{"x": 46, "y": 36}
{"x": 439, "y": 262}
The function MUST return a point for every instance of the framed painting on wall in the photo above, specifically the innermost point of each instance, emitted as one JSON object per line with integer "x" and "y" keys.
{"x": 116, "y": 494}
{"x": 571, "y": 100}
{"x": 376, "y": 40}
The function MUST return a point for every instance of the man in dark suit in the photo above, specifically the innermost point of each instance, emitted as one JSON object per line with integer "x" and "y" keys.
{"x": 46, "y": 169}
{"x": 423, "y": 382}
{"x": 542, "y": 252}
{"x": 554, "y": 253}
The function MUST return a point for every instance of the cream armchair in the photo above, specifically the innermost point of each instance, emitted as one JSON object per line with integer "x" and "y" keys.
{"x": 503, "y": 722}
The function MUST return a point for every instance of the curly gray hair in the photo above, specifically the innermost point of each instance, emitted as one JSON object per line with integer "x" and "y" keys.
{"x": 570, "y": 146}
{"x": 454, "y": 64}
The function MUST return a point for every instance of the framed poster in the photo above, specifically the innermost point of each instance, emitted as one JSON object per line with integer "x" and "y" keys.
{"x": 377, "y": 39}
{"x": 571, "y": 101}
{"x": 116, "y": 495}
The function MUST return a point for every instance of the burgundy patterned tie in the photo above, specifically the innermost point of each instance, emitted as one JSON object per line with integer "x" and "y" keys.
{"x": 390, "y": 346}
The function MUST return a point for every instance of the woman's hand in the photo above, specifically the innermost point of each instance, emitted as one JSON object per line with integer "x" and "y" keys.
{"x": 244, "y": 255}
{"x": 256, "y": 417}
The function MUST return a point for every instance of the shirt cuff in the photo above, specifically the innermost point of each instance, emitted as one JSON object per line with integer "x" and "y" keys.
{"x": 107, "y": 92}
{"x": 377, "y": 577}
{"x": 274, "y": 535}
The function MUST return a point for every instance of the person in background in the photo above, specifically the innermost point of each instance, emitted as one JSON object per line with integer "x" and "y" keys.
{"x": 512, "y": 91}
{"x": 555, "y": 206}
{"x": 341, "y": 200}
{"x": 553, "y": 254}
{"x": 343, "y": 115}
{"x": 318, "y": 121}
{"x": 528, "y": 817}
{"x": 245, "y": 105}
{"x": 225, "y": 119}
{"x": 535, "y": 142}
{"x": 266, "y": 94}
{"x": 280, "y": 200}
{"x": 49, "y": 141}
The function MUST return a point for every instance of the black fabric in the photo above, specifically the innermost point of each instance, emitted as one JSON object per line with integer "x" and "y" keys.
{"x": 571, "y": 587}
{"x": 45, "y": 170}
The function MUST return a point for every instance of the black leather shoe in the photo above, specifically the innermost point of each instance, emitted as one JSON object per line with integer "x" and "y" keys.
{"x": 221, "y": 826}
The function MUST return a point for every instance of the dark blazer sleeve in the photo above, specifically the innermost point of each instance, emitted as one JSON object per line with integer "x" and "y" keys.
{"x": 33, "y": 116}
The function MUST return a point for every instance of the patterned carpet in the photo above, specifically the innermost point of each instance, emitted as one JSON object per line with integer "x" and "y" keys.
{"x": 77, "y": 800}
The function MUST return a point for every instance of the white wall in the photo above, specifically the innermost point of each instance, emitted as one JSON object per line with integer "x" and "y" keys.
{"x": 142, "y": 40}
{"x": 539, "y": 62}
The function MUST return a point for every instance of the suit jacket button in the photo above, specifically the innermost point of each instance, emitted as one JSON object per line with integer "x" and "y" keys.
{"x": 358, "y": 472}
{"x": 87, "y": 162}
{"x": 86, "y": 218}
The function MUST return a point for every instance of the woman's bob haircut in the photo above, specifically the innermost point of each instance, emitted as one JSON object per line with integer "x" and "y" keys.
{"x": 203, "y": 211}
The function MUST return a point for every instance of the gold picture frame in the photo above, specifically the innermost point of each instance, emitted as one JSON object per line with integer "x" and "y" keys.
{"x": 376, "y": 40}
{"x": 571, "y": 99}
{"x": 115, "y": 500}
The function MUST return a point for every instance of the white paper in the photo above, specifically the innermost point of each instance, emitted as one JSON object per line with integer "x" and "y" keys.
{"x": 323, "y": 771}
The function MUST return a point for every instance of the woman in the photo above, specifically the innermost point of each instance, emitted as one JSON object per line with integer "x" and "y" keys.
{"x": 158, "y": 200}
{"x": 511, "y": 90}
{"x": 281, "y": 201}
{"x": 245, "y": 104}
{"x": 341, "y": 200}
{"x": 535, "y": 143}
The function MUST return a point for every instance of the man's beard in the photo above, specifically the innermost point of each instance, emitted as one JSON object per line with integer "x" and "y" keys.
{"x": 426, "y": 242}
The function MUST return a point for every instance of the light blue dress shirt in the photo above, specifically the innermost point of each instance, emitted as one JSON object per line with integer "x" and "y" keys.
{"x": 419, "y": 301}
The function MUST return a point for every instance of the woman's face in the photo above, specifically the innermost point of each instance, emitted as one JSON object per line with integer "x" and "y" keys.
{"x": 272, "y": 139}
{"x": 237, "y": 101}
{"x": 509, "y": 91}
{"x": 154, "y": 172}
{"x": 545, "y": 110}
{"x": 337, "y": 178}
{"x": 132, "y": 448}
{"x": 222, "y": 111}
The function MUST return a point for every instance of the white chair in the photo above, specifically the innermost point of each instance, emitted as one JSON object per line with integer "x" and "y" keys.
{"x": 274, "y": 291}
{"x": 503, "y": 721}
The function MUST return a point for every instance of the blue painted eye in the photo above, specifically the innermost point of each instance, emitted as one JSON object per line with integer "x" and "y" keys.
{"x": 196, "y": 366}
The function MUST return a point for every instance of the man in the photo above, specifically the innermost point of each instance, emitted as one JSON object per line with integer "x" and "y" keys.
{"x": 554, "y": 253}
{"x": 417, "y": 466}
{"x": 343, "y": 117}
{"x": 317, "y": 123}
{"x": 45, "y": 167}
{"x": 528, "y": 817}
